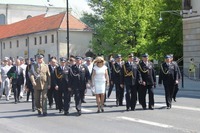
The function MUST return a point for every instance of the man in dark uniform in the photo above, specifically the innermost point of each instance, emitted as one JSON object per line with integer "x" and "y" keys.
{"x": 131, "y": 77}
{"x": 29, "y": 85}
{"x": 169, "y": 77}
{"x": 51, "y": 92}
{"x": 147, "y": 71}
{"x": 176, "y": 88}
{"x": 61, "y": 82}
{"x": 79, "y": 76}
{"x": 116, "y": 76}
{"x": 16, "y": 74}
{"x": 111, "y": 63}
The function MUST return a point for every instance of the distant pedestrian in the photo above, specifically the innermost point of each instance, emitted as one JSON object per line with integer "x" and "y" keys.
{"x": 5, "y": 82}
{"x": 16, "y": 75}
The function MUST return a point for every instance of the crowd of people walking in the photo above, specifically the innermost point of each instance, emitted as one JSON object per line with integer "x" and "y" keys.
{"x": 60, "y": 80}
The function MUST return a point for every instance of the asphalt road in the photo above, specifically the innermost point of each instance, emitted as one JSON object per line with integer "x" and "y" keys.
{"x": 184, "y": 117}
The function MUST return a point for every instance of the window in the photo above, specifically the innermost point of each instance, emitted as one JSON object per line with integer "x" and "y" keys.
{"x": 187, "y": 5}
{"x": 17, "y": 43}
{"x": 2, "y": 19}
{"x": 26, "y": 42}
{"x": 4, "y": 46}
{"x": 35, "y": 41}
{"x": 52, "y": 38}
{"x": 10, "y": 44}
{"x": 40, "y": 40}
{"x": 45, "y": 39}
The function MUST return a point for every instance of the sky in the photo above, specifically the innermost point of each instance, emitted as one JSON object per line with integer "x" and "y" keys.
{"x": 78, "y": 6}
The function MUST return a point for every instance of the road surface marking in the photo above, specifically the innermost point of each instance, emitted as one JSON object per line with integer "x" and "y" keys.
{"x": 180, "y": 107}
{"x": 145, "y": 122}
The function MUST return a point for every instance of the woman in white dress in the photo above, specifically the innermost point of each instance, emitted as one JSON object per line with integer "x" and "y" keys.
{"x": 100, "y": 79}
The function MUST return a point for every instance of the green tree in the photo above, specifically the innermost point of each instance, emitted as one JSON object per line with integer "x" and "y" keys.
{"x": 133, "y": 26}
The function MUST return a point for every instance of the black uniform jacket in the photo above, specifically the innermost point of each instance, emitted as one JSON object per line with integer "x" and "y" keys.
{"x": 62, "y": 76}
{"x": 53, "y": 78}
{"x": 78, "y": 77}
{"x": 147, "y": 72}
{"x": 28, "y": 81}
{"x": 131, "y": 74}
{"x": 116, "y": 73}
{"x": 168, "y": 74}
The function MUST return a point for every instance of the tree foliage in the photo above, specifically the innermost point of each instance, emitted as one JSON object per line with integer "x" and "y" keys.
{"x": 133, "y": 26}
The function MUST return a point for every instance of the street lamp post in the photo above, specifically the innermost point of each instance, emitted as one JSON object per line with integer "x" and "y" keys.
{"x": 67, "y": 18}
{"x": 177, "y": 12}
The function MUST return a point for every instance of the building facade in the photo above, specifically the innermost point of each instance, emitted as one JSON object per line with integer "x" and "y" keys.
{"x": 191, "y": 38}
{"x": 14, "y": 11}
{"x": 46, "y": 35}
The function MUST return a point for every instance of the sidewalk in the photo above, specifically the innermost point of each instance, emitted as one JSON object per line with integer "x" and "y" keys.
{"x": 190, "y": 84}
{"x": 187, "y": 85}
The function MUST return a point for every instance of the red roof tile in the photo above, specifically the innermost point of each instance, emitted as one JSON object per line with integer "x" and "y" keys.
{"x": 41, "y": 23}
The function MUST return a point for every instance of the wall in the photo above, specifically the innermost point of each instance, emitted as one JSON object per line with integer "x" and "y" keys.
{"x": 79, "y": 42}
{"x": 191, "y": 38}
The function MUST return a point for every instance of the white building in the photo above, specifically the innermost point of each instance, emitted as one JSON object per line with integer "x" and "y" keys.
{"x": 25, "y": 32}
{"x": 16, "y": 10}
{"x": 191, "y": 36}
{"x": 46, "y": 35}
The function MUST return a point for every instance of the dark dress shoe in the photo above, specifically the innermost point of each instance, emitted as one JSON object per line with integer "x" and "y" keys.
{"x": 83, "y": 101}
{"x": 144, "y": 108}
{"x": 39, "y": 112}
{"x": 151, "y": 108}
{"x": 60, "y": 110}
{"x": 66, "y": 113}
{"x": 33, "y": 110}
{"x": 45, "y": 114}
{"x": 127, "y": 109}
{"x": 174, "y": 99}
{"x": 117, "y": 103}
{"x": 132, "y": 109}
{"x": 79, "y": 113}
{"x": 121, "y": 104}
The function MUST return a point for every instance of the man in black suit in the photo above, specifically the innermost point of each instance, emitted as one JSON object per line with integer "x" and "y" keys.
{"x": 62, "y": 81}
{"x": 17, "y": 77}
{"x": 28, "y": 83}
{"x": 169, "y": 77}
{"x": 116, "y": 76}
{"x": 131, "y": 78}
{"x": 51, "y": 92}
{"x": 79, "y": 76}
{"x": 176, "y": 88}
{"x": 147, "y": 71}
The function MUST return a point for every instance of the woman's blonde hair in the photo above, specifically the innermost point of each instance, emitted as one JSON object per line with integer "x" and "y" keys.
{"x": 99, "y": 59}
